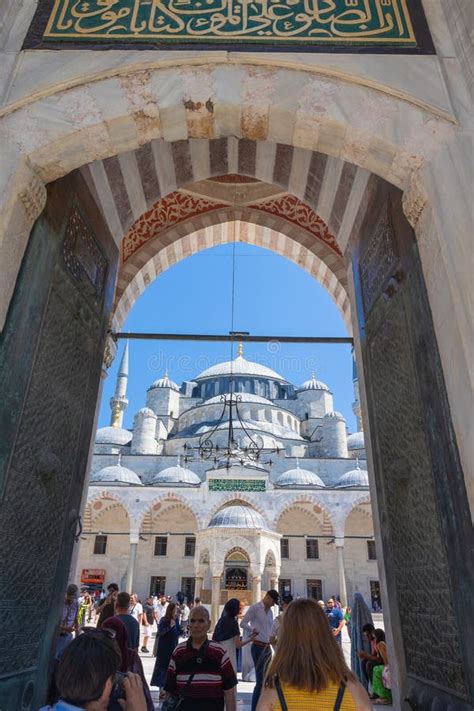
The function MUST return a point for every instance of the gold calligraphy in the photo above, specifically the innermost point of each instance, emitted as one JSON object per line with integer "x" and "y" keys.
{"x": 259, "y": 21}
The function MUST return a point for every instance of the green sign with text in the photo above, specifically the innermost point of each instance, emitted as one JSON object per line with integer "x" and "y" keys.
{"x": 233, "y": 22}
{"x": 237, "y": 485}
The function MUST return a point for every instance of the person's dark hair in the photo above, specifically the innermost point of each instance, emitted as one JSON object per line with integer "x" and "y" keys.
{"x": 123, "y": 600}
{"x": 368, "y": 628}
{"x": 379, "y": 635}
{"x": 112, "y": 587}
{"x": 168, "y": 616}
{"x": 232, "y": 607}
{"x": 85, "y": 666}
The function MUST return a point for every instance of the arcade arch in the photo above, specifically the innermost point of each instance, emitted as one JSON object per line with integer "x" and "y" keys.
{"x": 106, "y": 531}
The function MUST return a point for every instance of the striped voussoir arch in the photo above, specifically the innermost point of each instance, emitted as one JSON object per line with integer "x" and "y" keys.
{"x": 129, "y": 185}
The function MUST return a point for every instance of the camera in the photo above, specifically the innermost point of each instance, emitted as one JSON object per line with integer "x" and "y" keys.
{"x": 117, "y": 687}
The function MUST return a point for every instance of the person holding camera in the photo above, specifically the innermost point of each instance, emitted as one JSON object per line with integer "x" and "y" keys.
{"x": 88, "y": 677}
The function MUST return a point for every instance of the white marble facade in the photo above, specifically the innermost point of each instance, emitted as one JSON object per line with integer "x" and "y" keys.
{"x": 159, "y": 516}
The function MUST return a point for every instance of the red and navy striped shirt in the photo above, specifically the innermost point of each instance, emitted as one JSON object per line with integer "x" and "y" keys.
{"x": 214, "y": 675}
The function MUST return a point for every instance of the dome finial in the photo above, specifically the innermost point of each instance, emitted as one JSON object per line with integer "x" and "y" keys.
{"x": 240, "y": 350}
{"x": 313, "y": 375}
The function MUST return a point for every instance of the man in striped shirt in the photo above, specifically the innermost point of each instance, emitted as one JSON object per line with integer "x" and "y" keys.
{"x": 213, "y": 682}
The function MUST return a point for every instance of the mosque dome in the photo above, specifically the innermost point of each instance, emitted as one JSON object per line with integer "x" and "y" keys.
{"x": 116, "y": 474}
{"x": 356, "y": 477}
{"x": 164, "y": 382}
{"x": 176, "y": 475}
{"x": 237, "y": 516}
{"x": 355, "y": 441}
{"x": 313, "y": 384}
{"x": 239, "y": 366}
{"x": 334, "y": 415}
{"x": 146, "y": 412}
{"x": 113, "y": 435}
{"x": 298, "y": 477}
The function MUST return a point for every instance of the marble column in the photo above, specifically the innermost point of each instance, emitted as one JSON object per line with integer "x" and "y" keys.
{"x": 198, "y": 585}
{"x": 257, "y": 588}
{"x": 340, "y": 570}
{"x": 215, "y": 599}
{"x": 132, "y": 561}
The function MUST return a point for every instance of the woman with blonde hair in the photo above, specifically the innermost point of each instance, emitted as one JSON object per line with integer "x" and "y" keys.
{"x": 308, "y": 670}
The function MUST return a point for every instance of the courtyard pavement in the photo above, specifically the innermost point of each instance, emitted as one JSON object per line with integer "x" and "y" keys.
{"x": 245, "y": 689}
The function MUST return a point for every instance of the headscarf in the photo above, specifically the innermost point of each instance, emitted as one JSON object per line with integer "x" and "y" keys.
{"x": 121, "y": 637}
{"x": 227, "y": 626}
{"x": 361, "y": 615}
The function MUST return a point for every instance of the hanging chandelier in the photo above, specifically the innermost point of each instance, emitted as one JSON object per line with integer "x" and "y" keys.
{"x": 232, "y": 453}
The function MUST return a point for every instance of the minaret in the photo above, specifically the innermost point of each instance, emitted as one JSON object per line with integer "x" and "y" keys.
{"x": 119, "y": 402}
{"x": 356, "y": 404}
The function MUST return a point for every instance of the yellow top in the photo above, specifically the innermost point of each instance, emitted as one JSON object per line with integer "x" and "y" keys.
{"x": 300, "y": 700}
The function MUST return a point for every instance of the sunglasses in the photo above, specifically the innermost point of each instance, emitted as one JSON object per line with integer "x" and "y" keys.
{"x": 99, "y": 633}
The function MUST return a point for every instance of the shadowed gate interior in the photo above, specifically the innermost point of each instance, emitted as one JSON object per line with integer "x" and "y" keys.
{"x": 51, "y": 355}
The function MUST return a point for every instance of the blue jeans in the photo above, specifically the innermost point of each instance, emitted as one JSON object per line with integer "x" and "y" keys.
{"x": 261, "y": 656}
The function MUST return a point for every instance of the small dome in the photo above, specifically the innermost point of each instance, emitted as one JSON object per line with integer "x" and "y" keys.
{"x": 355, "y": 441}
{"x": 237, "y": 516}
{"x": 298, "y": 477}
{"x": 356, "y": 477}
{"x": 116, "y": 474}
{"x": 146, "y": 412}
{"x": 164, "y": 382}
{"x": 113, "y": 435}
{"x": 313, "y": 384}
{"x": 335, "y": 415}
{"x": 176, "y": 475}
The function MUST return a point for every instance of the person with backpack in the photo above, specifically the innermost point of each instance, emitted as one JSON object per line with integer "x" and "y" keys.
{"x": 308, "y": 668}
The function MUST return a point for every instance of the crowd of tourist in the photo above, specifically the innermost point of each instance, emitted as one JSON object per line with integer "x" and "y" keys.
{"x": 297, "y": 655}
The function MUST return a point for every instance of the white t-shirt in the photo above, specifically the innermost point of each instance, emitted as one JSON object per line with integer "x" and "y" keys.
{"x": 136, "y": 610}
{"x": 185, "y": 613}
{"x": 160, "y": 610}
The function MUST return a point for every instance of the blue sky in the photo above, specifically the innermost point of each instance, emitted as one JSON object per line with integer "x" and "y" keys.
{"x": 272, "y": 296}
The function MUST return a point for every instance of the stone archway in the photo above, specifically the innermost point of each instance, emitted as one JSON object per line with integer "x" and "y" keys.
{"x": 385, "y": 282}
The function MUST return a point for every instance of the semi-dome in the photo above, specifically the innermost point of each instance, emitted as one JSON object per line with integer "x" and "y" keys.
{"x": 313, "y": 384}
{"x": 239, "y": 366}
{"x": 176, "y": 475}
{"x": 237, "y": 516}
{"x": 116, "y": 474}
{"x": 298, "y": 477}
{"x": 356, "y": 477}
{"x": 355, "y": 441}
{"x": 113, "y": 435}
{"x": 164, "y": 382}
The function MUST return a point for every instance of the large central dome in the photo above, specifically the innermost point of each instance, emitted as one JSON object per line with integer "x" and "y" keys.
{"x": 239, "y": 366}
